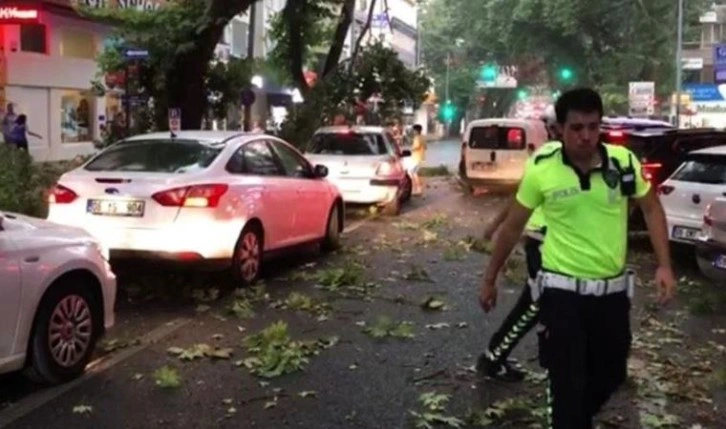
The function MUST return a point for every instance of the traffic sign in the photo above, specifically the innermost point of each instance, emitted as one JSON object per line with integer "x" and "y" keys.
{"x": 248, "y": 97}
{"x": 641, "y": 98}
{"x": 136, "y": 54}
{"x": 174, "y": 119}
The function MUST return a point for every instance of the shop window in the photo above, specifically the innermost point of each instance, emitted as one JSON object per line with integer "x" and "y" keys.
{"x": 33, "y": 38}
{"x": 76, "y": 43}
{"x": 76, "y": 116}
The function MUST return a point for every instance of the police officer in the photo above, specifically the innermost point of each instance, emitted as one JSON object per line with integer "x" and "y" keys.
{"x": 495, "y": 362}
{"x": 584, "y": 288}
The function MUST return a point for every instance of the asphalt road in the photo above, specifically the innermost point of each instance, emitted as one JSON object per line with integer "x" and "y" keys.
{"x": 393, "y": 266}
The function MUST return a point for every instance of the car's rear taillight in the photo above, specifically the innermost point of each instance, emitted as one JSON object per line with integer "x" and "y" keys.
{"x": 665, "y": 189}
{"x": 707, "y": 218}
{"x": 192, "y": 196}
{"x": 388, "y": 168}
{"x": 650, "y": 170}
{"x": 61, "y": 195}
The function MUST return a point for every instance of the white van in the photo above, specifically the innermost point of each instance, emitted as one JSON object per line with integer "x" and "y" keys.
{"x": 494, "y": 151}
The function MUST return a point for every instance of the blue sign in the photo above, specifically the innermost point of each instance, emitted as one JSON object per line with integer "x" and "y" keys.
{"x": 719, "y": 63}
{"x": 701, "y": 92}
{"x": 136, "y": 54}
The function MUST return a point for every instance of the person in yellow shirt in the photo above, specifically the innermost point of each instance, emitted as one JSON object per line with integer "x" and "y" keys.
{"x": 418, "y": 156}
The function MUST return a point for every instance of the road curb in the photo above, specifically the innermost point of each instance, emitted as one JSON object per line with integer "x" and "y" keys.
{"x": 42, "y": 397}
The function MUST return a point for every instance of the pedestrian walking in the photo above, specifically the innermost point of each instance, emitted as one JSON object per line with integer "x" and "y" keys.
{"x": 418, "y": 156}
{"x": 20, "y": 132}
{"x": 495, "y": 361}
{"x": 583, "y": 287}
{"x": 8, "y": 122}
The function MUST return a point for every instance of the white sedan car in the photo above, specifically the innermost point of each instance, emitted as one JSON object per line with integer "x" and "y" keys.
{"x": 365, "y": 163}
{"x": 57, "y": 295}
{"x": 692, "y": 187}
{"x": 201, "y": 196}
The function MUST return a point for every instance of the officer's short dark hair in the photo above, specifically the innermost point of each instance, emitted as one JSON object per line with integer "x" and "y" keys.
{"x": 418, "y": 128}
{"x": 584, "y": 100}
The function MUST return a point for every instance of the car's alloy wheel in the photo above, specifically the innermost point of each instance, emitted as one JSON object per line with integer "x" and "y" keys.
{"x": 68, "y": 322}
{"x": 249, "y": 256}
{"x": 70, "y": 331}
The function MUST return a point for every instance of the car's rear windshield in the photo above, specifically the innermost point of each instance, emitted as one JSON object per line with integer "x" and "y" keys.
{"x": 497, "y": 138}
{"x": 156, "y": 156}
{"x": 348, "y": 143}
{"x": 701, "y": 168}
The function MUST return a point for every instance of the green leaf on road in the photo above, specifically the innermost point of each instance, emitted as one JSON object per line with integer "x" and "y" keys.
{"x": 167, "y": 377}
{"x": 82, "y": 409}
{"x": 308, "y": 394}
{"x": 433, "y": 303}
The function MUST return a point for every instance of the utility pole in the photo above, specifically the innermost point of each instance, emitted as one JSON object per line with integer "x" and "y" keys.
{"x": 679, "y": 64}
{"x": 448, "y": 66}
{"x": 251, "y": 37}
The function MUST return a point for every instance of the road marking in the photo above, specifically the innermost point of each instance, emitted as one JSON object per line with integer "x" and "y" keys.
{"x": 36, "y": 400}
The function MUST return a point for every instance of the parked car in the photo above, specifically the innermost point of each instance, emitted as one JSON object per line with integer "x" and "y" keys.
{"x": 694, "y": 185}
{"x": 495, "y": 151}
{"x": 365, "y": 163}
{"x": 58, "y": 295}
{"x": 217, "y": 198}
{"x": 711, "y": 244}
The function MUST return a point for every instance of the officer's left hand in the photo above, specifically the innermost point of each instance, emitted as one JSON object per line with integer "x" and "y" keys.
{"x": 665, "y": 283}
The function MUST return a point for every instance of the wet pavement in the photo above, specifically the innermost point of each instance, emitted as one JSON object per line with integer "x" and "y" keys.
{"x": 389, "y": 318}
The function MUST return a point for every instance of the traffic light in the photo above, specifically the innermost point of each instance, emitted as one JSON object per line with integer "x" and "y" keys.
{"x": 448, "y": 111}
{"x": 489, "y": 73}
{"x": 566, "y": 74}
{"x": 522, "y": 94}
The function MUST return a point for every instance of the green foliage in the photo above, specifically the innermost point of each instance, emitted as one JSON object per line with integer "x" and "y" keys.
{"x": 317, "y": 19}
{"x": 24, "y": 185}
{"x": 600, "y": 43}
{"x": 377, "y": 70}
{"x": 169, "y": 34}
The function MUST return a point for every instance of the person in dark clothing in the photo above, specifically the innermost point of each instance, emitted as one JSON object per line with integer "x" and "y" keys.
{"x": 20, "y": 132}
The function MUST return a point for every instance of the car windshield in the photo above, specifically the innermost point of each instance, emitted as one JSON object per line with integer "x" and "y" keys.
{"x": 497, "y": 138}
{"x": 156, "y": 156}
{"x": 710, "y": 169}
{"x": 348, "y": 144}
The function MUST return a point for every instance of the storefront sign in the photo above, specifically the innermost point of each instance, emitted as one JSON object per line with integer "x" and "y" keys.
{"x": 18, "y": 15}
{"x": 707, "y": 92}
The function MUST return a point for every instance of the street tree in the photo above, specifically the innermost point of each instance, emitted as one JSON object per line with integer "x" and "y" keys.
{"x": 181, "y": 38}
{"x": 371, "y": 69}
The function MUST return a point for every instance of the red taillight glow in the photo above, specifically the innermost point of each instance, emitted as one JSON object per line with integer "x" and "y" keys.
{"x": 615, "y": 137}
{"x": 61, "y": 195}
{"x": 649, "y": 170}
{"x": 388, "y": 168}
{"x": 665, "y": 189}
{"x": 192, "y": 196}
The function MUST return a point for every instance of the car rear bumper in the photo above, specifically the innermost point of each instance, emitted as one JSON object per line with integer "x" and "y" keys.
{"x": 376, "y": 191}
{"x": 176, "y": 241}
{"x": 706, "y": 254}
{"x": 691, "y": 224}
{"x": 109, "y": 296}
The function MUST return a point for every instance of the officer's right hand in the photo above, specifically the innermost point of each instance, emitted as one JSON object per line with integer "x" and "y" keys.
{"x": 488, "y": 296}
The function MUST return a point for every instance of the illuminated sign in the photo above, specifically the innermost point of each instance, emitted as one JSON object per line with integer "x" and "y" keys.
{"x": 18, "y": 15}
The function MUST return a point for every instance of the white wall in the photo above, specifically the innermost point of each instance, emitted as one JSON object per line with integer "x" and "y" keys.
{"x": 36, "y": 83}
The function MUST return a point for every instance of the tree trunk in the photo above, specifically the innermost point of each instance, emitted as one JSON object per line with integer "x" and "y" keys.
{"x": 293, "y": 14}
{"x": 186, "y": 80}
{"x": 341, "y": 31}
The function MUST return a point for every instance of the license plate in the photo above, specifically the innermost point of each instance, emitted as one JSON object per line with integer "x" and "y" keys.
{"x": 685, "y": 233}
{"x": 720, "y": 262}
{"x": 123, "y": 208}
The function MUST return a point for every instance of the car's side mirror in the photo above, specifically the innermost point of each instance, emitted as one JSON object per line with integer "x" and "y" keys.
{"x": 405, "y": 153}
{"x": 321, "y": 171}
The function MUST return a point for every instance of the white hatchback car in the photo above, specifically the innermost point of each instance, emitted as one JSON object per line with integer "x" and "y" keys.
{"x": 218, "y": 197}
{"x": 365, "y": 163}
{"x": 692, "y": 187}
{"x": 57, "y": 295}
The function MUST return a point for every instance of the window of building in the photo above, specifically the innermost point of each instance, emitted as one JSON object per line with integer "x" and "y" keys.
{"x": 77, "y": 43}
{"x": 33, "y": 38}
{"x": 240, "y": 32}
{"x": 76, "y": 112}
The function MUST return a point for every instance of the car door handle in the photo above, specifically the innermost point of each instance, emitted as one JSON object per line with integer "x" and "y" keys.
{"x": 32, "y": 259}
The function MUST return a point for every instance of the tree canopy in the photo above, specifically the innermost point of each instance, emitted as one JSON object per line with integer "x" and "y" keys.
{"x": 605, "y": 43}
